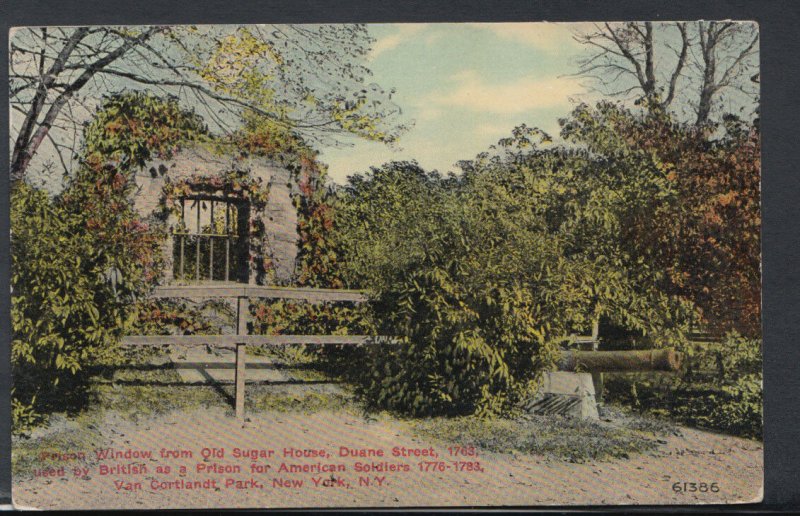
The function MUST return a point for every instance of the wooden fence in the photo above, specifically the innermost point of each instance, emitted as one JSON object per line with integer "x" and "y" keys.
{"x": 242, "y": 294}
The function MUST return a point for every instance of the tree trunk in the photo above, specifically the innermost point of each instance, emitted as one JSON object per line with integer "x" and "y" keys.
{"x": 708, "y": 40}
{"x": 23, "y": 148}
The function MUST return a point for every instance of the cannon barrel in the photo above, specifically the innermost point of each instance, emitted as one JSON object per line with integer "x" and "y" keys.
{"x": 621, "y": 361}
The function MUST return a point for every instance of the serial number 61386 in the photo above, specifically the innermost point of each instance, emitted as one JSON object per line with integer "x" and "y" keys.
{"x": 695, "y": 487}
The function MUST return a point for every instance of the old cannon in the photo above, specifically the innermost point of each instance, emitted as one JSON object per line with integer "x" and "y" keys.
{"x": 572, "y": 389}
{"x": 665, "y": 360}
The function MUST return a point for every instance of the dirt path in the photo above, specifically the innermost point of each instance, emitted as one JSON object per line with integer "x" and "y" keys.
{"x": 734, "y": 465}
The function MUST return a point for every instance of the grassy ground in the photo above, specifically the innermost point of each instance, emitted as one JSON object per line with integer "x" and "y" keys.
{"x": 569, "y": 439}
{"x": 150, "y": 387}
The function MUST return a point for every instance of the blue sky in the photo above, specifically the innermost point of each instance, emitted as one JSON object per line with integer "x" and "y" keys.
{"x": 464, "y": 86}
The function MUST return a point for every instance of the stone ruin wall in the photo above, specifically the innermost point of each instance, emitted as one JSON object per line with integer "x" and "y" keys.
{"x": 279, "y": 217}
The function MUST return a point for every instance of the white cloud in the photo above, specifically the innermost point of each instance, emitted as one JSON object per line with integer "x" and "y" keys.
{"x": 519, "y": 96}
{"x": 550, "y": 37}
{"x": 493, "y": 129}
{"x": 546, "y": 36}
{"x": 405, "y": 32}
{"x": 346, "y": 161}
{"x": 428, "y": 112}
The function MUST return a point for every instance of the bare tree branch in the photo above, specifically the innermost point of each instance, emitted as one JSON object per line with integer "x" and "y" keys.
{"x": 30, "y": 144}
{"x": 673, "y": 81}
{"x": 659, "y": 58}
{"x": 312, "y": 79}
{"x": 22, "y": 147}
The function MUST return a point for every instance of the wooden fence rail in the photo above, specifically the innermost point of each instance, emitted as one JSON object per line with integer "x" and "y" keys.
{"x": 257, "y": 340}
{"x": 242, "y": 293}
{"x": 233, "y": 290}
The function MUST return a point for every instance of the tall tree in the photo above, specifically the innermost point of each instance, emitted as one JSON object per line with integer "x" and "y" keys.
{"x": 725, "y": 52}
{"x": 667, "y": 63}
{"x": 308, "y": 78}
{"x": 687, "y": 206}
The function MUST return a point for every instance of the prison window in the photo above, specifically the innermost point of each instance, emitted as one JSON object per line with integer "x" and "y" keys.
{"x": 209, "y": 240}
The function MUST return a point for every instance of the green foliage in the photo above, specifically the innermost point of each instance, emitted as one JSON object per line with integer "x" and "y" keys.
{"x": 131, "y": 128}
{"x": 720, "y": 388}
{"x": 582, "y": 206}
{"x": 484, "y": 275}
{"x": 65, "y": 312}
{"x": 475, "y": 331}
{"x": 23, "y": 415}
{"x": 687, "y": 206}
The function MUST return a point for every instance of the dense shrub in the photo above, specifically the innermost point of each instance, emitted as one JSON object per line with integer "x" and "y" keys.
{"x": 720, "y": 388}
{"x": 463, "y": 276}
{"x": 66, "y": 314}
{"x": 83, "y": 259}
{"x": 690, "y": 205}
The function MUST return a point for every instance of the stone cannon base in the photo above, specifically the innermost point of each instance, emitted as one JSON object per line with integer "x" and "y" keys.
{"x": 567, "y": 394}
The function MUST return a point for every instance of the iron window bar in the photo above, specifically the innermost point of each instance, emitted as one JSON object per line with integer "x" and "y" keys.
{"x": 210, "y": 234}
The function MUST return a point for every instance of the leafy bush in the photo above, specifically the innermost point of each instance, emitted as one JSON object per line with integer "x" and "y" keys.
{"x": 720, "y": 388}
{"x": 723, "y": 390}
{"x": 461, "y": 278}
{"x": 688, "y": 204}
{"x": 65, "y": 312}
{"x": 484, "y": 275}
{"x": 640, "y": 221}
{"x": 23, "y": 415}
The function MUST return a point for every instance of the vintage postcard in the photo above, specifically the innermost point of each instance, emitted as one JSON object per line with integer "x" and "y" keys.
{"x": 386, "y": 265}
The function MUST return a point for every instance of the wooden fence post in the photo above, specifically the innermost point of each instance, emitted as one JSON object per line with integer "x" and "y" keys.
{"x": 241, "y": 329}
{"x": 597, "y": 378}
